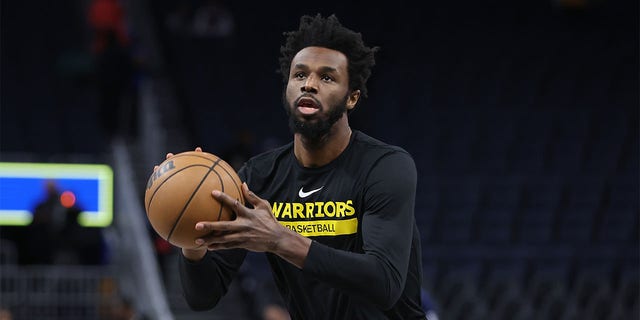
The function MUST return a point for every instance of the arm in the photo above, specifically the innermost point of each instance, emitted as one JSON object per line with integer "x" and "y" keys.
{"x": 378, "y": 274}
{"x": 205, "y": 281}
{"x": 206, "y": 276}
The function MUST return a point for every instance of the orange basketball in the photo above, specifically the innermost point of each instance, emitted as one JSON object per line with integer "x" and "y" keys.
{"x": 178, "y": 195}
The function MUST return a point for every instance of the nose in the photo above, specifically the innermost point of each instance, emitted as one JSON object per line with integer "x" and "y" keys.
{"x": 310, "y": 85}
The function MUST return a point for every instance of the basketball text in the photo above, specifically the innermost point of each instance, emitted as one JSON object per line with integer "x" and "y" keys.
{"x": 162, "y": 170}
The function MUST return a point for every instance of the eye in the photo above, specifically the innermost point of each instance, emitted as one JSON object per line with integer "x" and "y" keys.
{"x": 326, "y": 78}
{"x": 299, "y": 75}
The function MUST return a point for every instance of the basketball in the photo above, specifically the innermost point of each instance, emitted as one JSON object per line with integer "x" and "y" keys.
{"x": 178, "y": 195}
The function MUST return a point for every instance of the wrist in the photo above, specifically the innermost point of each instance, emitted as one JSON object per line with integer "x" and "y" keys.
{"x": 194, "y": 255}
{"x": 292, "y": 247}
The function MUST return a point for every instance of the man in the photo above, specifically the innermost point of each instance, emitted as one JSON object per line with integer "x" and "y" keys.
{"x": 333, "y": 210}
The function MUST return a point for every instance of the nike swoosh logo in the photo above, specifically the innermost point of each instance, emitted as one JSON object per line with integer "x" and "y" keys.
{"x": 303, "y": 194}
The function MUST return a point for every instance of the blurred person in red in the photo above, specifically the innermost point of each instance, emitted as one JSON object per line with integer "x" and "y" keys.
{"x": 105, "y": 17}
{"x": 115, "y": 67}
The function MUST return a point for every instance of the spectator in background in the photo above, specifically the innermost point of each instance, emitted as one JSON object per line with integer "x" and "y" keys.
{"x": 78, "y": 244}
{"x": 115, "y": 81}
{"x": 106, "y": 17}
{"x": 115, "y": 68}
{"x": 55, "y": 236}
{"x": 41, "y": 241}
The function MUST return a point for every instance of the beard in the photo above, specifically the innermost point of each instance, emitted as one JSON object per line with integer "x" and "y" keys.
{"x": 316, "y": 129}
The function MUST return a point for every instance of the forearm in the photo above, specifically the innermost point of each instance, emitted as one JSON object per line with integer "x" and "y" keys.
{"x": 361, "y": 274}
{"x": 206, "y": 281}
{"x": 349, "y": 271}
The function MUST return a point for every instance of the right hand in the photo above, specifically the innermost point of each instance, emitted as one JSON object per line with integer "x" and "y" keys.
{"x": 190, "y": 254}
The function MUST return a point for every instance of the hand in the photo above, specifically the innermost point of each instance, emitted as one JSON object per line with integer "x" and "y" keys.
{"x": 254, "y": 230}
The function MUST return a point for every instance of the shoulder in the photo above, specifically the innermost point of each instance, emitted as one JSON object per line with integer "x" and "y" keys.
{"x": 367, "y": 141}
{"x": 377, "y": 150}
{"x": 265, "y": 162}
{"x": 270, "y": 156}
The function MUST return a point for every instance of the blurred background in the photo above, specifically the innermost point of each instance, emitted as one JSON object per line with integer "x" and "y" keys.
{"x": 522, "y": 117}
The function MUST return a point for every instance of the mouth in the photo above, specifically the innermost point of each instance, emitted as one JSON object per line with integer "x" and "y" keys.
{"x": 307, "y": 106}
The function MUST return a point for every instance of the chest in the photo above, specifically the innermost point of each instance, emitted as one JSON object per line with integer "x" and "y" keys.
{"x": 316, "y": 203}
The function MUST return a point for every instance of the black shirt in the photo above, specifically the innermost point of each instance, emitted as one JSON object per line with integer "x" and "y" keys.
{"x": 364, "y": 261}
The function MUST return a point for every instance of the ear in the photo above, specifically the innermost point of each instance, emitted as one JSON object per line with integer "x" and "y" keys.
{"x": 353, "y": 98}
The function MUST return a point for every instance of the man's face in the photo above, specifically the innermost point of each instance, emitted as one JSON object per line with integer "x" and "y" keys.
{"x": 317, "y": 93}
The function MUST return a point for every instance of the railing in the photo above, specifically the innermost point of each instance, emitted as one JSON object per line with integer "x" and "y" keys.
{"x": 136, "y": 257}
{"x": 59, "y": 292}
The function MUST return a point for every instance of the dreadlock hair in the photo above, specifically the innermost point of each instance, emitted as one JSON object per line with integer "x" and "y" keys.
{"x": 329, "y": 33}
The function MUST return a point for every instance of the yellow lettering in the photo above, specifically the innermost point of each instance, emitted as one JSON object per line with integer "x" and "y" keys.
{"x": 309, "y": 209}
{"x": 340, "y": 209}
{"x": 277, "y": 206}
{"x": 349, "y": 208}
{"x": 298, "y": 210}
{"x": 286, "y": 213}
{"x": 330, "y": 209}
{"x": 320, "y": 214}
{"x": 323, "y": 227}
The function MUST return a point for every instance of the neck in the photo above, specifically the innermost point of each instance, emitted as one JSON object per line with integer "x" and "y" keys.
{"x": 317, "y": 153}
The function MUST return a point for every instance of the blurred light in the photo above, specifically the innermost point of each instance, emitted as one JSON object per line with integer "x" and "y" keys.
{"x": 67, "y": 199}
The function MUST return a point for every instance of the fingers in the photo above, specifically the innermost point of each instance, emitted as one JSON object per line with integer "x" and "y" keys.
{"x": 170, "y": 154}
{"x": 252, "y": 197}
{"x": 215, "y": 226}
{"x": 248, "y": 195}
{"x": 229, "y": 201}
{"x": 222, "y": 235}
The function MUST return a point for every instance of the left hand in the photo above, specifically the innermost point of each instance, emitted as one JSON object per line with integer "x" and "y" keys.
{"x": 253, "y": 229}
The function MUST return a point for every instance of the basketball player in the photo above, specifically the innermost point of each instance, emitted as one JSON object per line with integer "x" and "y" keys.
{"x": 333, "y": 210}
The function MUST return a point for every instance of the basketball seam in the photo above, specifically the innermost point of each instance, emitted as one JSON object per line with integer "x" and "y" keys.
{"x": 169, "y": 177}
{"x": 191, "y": 198}
{"x": 221, "y": 189}
{"x": 234, "y": 181}
{"x": 197, "y": 155}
